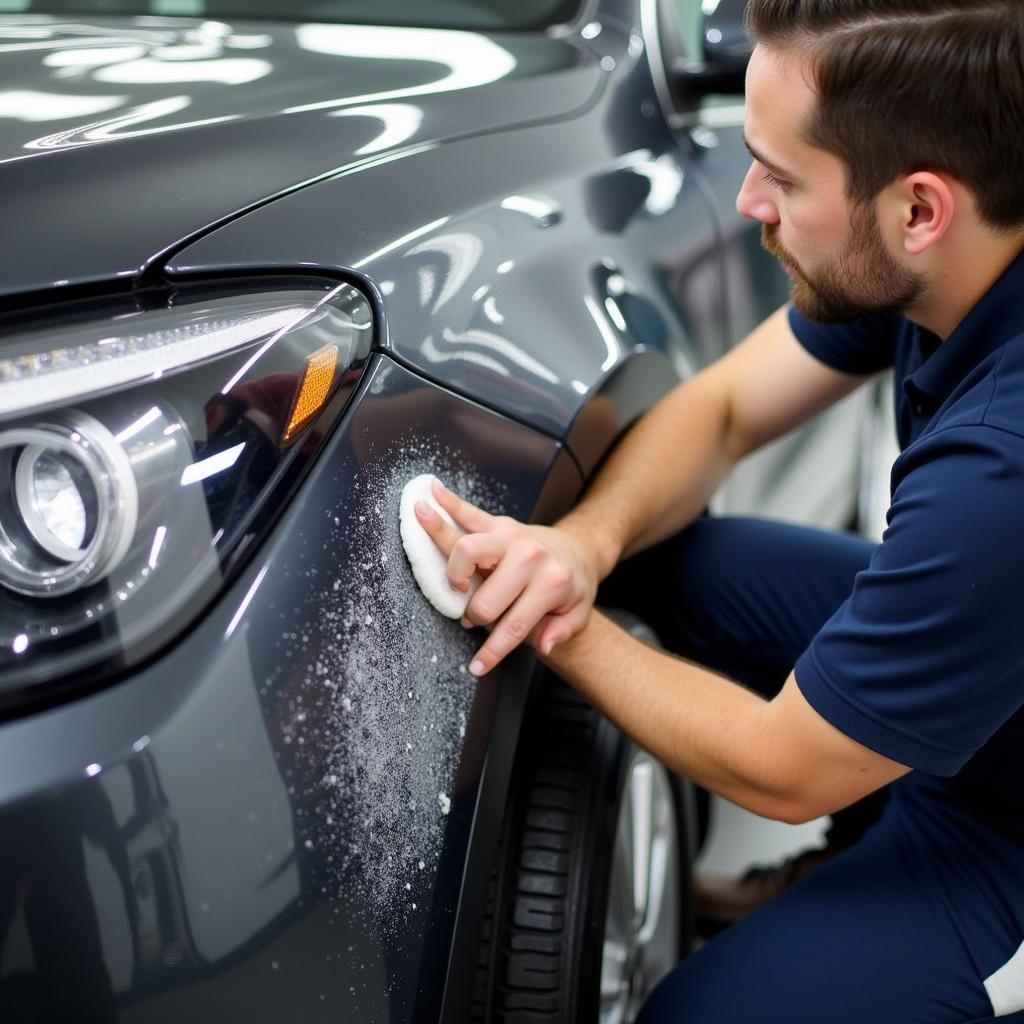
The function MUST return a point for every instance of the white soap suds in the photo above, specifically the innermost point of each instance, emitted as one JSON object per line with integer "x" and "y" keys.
{"x": 374, "y": 699}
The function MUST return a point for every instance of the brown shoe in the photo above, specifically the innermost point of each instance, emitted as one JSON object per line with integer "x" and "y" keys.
{"x": 722, "y": 900}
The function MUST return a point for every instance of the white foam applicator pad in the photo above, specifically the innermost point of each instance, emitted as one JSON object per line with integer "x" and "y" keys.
{"x": 428, "y": 564}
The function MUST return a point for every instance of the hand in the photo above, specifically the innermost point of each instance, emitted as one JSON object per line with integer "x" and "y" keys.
{"x": 540, "y": 582}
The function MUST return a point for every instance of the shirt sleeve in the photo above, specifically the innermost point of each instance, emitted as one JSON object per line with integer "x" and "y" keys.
{"x": 863, "y": 346}
{"x": 925, "y": 659}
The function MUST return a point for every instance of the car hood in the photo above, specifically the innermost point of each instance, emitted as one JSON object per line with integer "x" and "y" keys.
{"x": 123, "y": 139}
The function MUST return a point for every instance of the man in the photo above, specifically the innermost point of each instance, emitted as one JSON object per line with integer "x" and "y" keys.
{"x": 888, "y": 157}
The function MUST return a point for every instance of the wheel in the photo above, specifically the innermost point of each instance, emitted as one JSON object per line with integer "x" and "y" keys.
{"x": 590, "y": 903}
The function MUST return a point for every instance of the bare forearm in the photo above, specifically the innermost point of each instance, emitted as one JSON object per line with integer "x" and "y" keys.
{"x": 698, "y": 723}
{"x": 660, "y": 477}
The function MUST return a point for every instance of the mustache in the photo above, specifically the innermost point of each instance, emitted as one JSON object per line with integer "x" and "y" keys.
{"x": 772, "y": 245}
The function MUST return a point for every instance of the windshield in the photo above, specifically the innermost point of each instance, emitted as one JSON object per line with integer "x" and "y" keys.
{"x": 494, "y": 15}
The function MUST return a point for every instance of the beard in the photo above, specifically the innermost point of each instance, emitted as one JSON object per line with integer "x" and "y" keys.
{"x": 860, "y": 281}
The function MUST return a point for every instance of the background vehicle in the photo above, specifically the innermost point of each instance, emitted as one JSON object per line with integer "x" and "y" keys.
{"x": 262, "y": 268}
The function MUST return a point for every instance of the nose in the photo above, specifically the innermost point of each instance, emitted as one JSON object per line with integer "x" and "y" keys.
{"x": 755, "y": 199}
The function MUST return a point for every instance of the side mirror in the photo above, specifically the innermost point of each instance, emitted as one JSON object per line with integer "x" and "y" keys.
{"x": 726, "y": 52}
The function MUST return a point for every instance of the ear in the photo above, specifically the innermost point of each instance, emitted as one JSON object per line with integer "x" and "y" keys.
{"x": 926, "y": 203}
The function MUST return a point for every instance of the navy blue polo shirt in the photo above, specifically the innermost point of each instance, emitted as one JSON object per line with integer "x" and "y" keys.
{"x": 924, "y": 662}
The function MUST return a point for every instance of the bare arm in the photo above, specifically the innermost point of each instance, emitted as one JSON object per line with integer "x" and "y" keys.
{"x": 778, "y": 758}
{"x": 665, "y": 471}
{"x": 543, "y": 580}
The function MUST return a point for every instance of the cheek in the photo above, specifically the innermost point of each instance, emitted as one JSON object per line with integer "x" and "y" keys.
{"x": 812, "y": 232}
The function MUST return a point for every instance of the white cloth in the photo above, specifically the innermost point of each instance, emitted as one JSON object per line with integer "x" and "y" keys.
{"x": 427, "y": 562}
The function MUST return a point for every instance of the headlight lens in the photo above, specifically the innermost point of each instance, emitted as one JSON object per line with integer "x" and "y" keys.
{"x": 143, "y": 450}
{"x": 53, "y": 490}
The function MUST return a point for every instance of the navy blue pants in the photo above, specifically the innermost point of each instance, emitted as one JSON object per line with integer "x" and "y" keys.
{"x": 906, "y": 925}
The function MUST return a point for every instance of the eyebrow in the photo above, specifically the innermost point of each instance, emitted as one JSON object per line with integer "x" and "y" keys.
{"x": 774, "y": 168}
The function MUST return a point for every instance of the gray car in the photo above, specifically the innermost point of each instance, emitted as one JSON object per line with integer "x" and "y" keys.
{"x": 262, "y": 265}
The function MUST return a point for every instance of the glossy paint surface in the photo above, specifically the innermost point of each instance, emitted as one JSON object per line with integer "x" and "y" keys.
{"x": 165, "y": 848}
{"x": 167, "y": 127}
{"x": 221, "y": 822}
{"x": 525, "y": 268}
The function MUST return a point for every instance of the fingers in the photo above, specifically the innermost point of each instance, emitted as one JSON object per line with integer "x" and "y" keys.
{"x": 468, "y": 516}
{"x": 513, "y": 628}
{"x": 556, "y": 629}
{"x": 442, "y": 533}
{"x": 498, "y": 592}
{"x": 472, "y": 552}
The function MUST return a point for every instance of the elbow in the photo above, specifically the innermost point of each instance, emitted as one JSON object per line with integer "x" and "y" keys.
{"x": 799, "y": 814}
{"x": 792, "y": 807}
{"x": 790, "y": 811}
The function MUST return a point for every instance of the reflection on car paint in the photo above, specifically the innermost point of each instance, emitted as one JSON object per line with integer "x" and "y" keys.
{"x": 115, "y": 127}
{"x": 542, "y": 210}
{"x": 471, "y": 60}
{"x": 459, "y": 253}
{"x": 206, "y": 54}
{"x": 400, "y": 122}
{"x": 514, "y": 356}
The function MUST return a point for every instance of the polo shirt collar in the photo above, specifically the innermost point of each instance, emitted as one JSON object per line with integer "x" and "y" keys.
{"x": 995, "y": 320}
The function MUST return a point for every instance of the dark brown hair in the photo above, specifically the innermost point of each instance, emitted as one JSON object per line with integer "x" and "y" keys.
{"x": 906, "y": 85}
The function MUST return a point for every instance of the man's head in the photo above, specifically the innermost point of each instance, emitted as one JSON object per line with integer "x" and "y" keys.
{"x": 878, "y": 126}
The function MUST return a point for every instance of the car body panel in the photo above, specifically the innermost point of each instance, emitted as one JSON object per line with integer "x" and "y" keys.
{"x": 599, "y": 210}
{"x": 177, "y": 803}
{"x": 545, "y": 259}
{"x": 172, "y": 130}
{"x": 191, "y": 805}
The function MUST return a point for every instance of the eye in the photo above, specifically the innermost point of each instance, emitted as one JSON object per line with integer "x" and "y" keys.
{"x": 774, "y": 182}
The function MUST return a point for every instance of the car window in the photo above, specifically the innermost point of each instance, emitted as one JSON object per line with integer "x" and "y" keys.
{"x": 495, "y": 15}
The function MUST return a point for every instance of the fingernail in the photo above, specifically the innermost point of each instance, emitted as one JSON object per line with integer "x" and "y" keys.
{"x": 465, "y": 623}
{"x": 421, "y": 509}
{"x": 477, "y": 667}
{"x": 548, "y": 647}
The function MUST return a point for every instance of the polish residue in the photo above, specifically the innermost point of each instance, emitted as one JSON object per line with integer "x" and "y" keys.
{"x": 376, "y": 701}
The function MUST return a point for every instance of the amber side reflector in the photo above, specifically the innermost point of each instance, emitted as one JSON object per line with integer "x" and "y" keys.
{"x": 314, "y": 388}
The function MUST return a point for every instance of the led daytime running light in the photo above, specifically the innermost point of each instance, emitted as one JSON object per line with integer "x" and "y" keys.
{"x": 72, "y": 372}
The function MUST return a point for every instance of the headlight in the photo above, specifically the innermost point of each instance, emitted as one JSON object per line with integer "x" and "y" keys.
{"x": 142, "y": 450}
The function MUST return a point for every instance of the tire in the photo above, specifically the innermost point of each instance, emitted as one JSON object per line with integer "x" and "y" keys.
{"x": 561, "y": 941}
